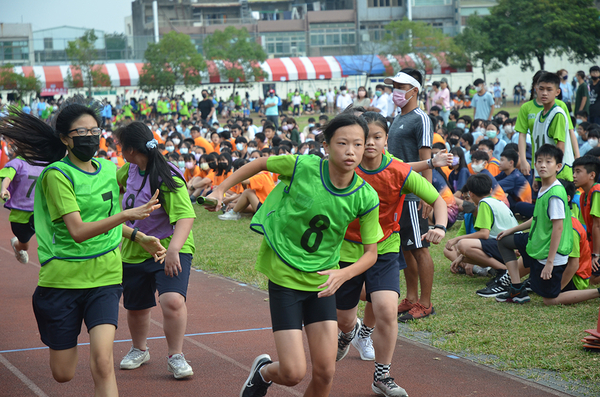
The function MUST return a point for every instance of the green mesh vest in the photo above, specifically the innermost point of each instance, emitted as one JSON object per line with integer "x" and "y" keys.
{"x": 540, "y": 233}
{"x": 304, "y": 220}
{"x": 97, "y": 196}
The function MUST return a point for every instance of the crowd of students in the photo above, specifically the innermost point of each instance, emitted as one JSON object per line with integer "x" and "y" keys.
{"x": 356, "y": 208}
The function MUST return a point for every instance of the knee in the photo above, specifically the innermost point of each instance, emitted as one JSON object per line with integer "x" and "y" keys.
{"x": 461, "y": 247}
{"x": 62, "y": 375}
{"x": 292, "y": 376}
{"x": 102, "y": 365}
{"x": 346, "y": 320}
{"x": 323, "y": 374}
{"x": 172, "y": 303}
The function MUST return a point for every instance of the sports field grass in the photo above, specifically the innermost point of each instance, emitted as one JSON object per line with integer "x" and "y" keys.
{"x": 519, "y": 337}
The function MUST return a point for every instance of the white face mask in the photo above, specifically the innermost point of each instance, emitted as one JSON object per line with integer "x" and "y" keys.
{"x": 176, "y": 141}
{"x": 478, "y": 167}
{"x": 593, "y": 142}
{"x": 251, "y": 150}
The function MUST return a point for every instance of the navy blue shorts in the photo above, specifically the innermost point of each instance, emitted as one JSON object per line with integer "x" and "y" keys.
{"x": 384, "y": 275}
{"x": 23, "y": 231}
{"x": 412, "y": 226}
{"x": 544, "y": 288}
{"x": 290, "y": 308}
{"x": 490, "y": 247}
{"x": 60, "y": 312}
{"x": 142, "y": 280}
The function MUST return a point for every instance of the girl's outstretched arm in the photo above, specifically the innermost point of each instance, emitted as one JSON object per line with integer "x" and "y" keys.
{"x": 245, "y": 172}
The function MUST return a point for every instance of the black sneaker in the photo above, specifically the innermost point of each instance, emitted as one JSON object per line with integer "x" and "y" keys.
{"x": 492, "y": 290}
{"x": 527, "y": 284}
{"x": 255, "y": 386}
{"x": 514, "y": 296}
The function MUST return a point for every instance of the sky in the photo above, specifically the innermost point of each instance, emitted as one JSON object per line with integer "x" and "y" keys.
{"x": 106, "y": 15}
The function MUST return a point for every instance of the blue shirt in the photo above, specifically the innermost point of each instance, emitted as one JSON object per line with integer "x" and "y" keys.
{"x": 499, "y": 148}
{"x": 483, "y": 105}
{"x": 513, "y": 183}
{"x": 457, "y": 180}
{"x": 273, "y": 110}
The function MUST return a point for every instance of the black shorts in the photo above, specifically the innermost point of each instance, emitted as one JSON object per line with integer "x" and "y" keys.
{"x": 490, "y": 247}
{"x": 290, "y": 308}
{"x": 384, "y": 275}
{"x": 412, "y": 226}
{"x": 142, "y": 280}
{"x": 60, "y": 312}
{"x": 23, "y": 231}
{"x": 544, "y": 288}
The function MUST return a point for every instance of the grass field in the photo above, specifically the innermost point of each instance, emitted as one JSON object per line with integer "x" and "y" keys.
{"x": 520, "y": 337}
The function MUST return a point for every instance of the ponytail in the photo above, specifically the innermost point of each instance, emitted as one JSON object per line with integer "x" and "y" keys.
{"x": 137, "y": 136}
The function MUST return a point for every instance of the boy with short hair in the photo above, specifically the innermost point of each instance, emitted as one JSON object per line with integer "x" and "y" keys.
{"x": 552, "y": 124}
{"x": 546, "y": 248}
{"x": 514, "y": 184}
{"x": 493, "y": 164}
{"x": 482, "y": 102}
{"x": 493, "y": 217}
{"x": 585, "y": 173}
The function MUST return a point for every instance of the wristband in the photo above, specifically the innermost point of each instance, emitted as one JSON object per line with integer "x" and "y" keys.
{"x": 440, "y": 227}
{"x": 595, "y": 255}
{"x": 134, "y": 233}
{"x": 430, "y": 163}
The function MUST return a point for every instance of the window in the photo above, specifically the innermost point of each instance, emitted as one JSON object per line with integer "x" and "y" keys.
{"x": 285, "y": 44}
{"x": 385, "y": 3}
{"x": 332, "y": 34}
{"x": 48, "y": 43}
{"x": 14, "y": 50}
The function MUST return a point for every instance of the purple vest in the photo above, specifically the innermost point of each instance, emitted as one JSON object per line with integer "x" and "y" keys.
{"x": 158, "y": 223}
{"x": 22, "y": 187}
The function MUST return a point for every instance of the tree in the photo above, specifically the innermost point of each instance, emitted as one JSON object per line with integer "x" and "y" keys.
{"x": 83, "y": 55}
{"x": 21, "y": 85}
{"x": 524, "y": 31}
{"x": 405, "y": 37}
{"x": 116, "y": 46}
{"x": 240, "y": 55}
{"x": 173, "y": 60}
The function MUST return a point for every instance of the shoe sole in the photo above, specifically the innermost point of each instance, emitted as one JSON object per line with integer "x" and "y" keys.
{"x": 255, "y": 363}
{"x": 418, "y": 318}
{"x": 362, "y": 357}
{"x": 380, "y": 392}
{"x": 490, "y": 295}
{"x": 513, "y": 300}
{"x": 180, "y": 376}
{"x": 135, "y": 366}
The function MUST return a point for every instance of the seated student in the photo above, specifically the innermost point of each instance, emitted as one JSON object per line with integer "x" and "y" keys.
{"x": 493, "y": 165}
{"x": 581, "y": 117}
{"x": 203, "y": 183}
{"x": 191, "y": 168}
{"x": 479, "y": 162}
{"x": 439, "y": 181}
{"x": 256, "y": 190}
{"x": 585, "y": 174}
{"x": 241, "y": 144}
{"x": 514, "y": 184}
{"x": 545, "y": 249}
{"x": 582, "y": 133}
{"x": 467, "y": 227}
{"x": 593, "y": 134}
{"x": 466, "y": 141}
{"x": 269, "y": 130}
{"x": 459, "y": 170}
{"x": 481, "y": 247}
{"x": 462, "y": 124}
{"x": 492, "y": 133}
{"x": 452, "y": 120}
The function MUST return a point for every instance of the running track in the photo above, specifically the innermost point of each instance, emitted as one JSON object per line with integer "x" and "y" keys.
{"x": 228, "y": 325}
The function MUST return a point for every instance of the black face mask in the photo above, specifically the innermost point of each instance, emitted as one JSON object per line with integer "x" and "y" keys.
{"x": 212, "y": 165}
{"x": 595, "y": 78}
{"x": 223, "y": 166}
{"x": 453, "y": 141}
{"x": 204, "y": 96}
{"x": 84, "y": 147}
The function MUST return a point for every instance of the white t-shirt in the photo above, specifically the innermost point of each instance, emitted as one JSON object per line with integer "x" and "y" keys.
{"x": 381, "y": 103}
{"x": 330, "y": 96}
{"x": 556, "y": 210}
{"x": 296, "y": 100}
{"x": 344, "y": 101}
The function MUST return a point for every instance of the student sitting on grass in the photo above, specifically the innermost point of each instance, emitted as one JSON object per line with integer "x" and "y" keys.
{"x": 493, "y": 165}
{"x": 514, "y": 184}
{"x": 479, "y": 164}
{"x": 545, "y": 249}
{"x": 481, "y": 247}
{"x": 585, "y": 174}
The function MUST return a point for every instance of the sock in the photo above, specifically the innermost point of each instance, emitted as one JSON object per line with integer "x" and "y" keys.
{"x": 380, "y": 370}
{"x": 517, "y": 286}
{"x": 261, "y": 375}
{"x": 365, "y": 331}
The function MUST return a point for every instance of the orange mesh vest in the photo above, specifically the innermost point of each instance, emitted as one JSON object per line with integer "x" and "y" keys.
{"x": 585, "y": 253}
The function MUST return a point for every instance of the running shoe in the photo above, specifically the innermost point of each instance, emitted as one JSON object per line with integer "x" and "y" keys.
{"x": 255, "y": 386}
{"x": 492, "y": 290}
{"x": 417, "y": 312}
{"x": 481, "y": 271}
{"x": 230, "y": 216}
{"x": 178, "y": 365}
{"x": 387, "y": 387}
{"x": 135, "y": 358}
{"x": 527, "y": 284}
{"x": 404, "y": 306}
{"x": 344, "y": 342}
{"x": 364, "y": 347}
{"x": 22, "y": 256}
{"x": 514, "y": 296}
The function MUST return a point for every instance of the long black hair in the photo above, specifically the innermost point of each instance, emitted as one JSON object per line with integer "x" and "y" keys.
{"x": 344, "y": 119}
{"x": 227, "y": 157}
{"x": 39, "y": 143}
{"x": 377, "y": 119}
{"x": 137, "y": 136}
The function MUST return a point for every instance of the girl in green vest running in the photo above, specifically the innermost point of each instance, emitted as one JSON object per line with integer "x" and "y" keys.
{"x": 304, "y": 220}
{"x": 78, "y": 218}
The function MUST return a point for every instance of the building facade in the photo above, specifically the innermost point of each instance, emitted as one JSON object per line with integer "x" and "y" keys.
{"x": 16, "y": 44}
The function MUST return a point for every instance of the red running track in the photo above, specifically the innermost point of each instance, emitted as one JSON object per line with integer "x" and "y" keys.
{"x": 228, "y": 326}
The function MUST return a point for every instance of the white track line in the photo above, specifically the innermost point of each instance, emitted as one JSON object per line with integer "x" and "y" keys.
{"x": 28, "y": 382}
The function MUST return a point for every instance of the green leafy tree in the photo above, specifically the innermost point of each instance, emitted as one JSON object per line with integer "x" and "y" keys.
{"x": 241, "y": 56}
{"x": 116, "y": 46}
{"x": 172, "y": 61}
{"x": 17, "y": 83}
{"x": 83, "y": 55}
{"x": 405, "y": 37}
{"x": 525, "y": 31}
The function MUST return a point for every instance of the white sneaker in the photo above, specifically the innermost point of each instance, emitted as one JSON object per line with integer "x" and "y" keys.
{"x": 135, "y": 358}
{"x": 387, "y": 387}
{"x": 344, "y": 343}
{"x": 22, "y": 256}
{"x": 179, "y": 366}
{"x": 364, "y": 347}
{"x": 230, "y": 216}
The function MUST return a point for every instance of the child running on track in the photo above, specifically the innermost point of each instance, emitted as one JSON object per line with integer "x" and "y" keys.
{"x": 146, "y": 171}
{"x": 304, "y": 220}
{"x": 18, "y": 189}
{"x": 392, "y": 179}
{"x": 78, "y": 220}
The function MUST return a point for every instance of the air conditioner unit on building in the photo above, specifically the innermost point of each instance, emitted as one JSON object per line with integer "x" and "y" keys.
{"x": 196, "y": 24}
{"x": 365, "y": 37}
